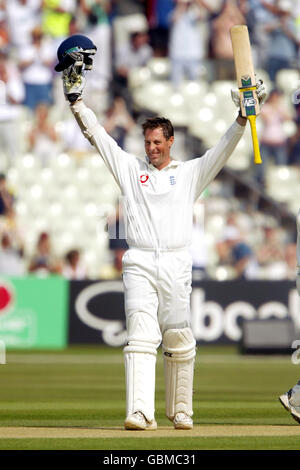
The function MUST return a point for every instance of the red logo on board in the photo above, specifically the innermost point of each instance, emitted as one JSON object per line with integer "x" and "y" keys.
{"x": 6, "y": 298}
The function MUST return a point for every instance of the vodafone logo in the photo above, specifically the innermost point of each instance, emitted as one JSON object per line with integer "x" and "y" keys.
{"x": 144, "y": 179}
{"x": 6, "y": 297}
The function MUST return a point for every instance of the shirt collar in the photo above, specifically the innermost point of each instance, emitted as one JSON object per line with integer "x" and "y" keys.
{"x": 173, "y": 164}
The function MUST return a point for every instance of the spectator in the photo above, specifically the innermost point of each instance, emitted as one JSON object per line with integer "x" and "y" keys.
{"x": 296, "y": 18}
{"x": 56, "y": 18}
{"x": 158, "y": 14}
{"x": 4, "y": 33}
{"x": 282, "y": 51}
{"x": 291, "y": 261}
{"x": 43, "y": 262}
{"x": 75, "y": 26}
{"x": 186, "y": 45}
{"x": 273, "y": 138}
{"x": 118, "y": 121}
{"x": 11, "y": 95}
{"x": 6, "y": 197}
{"x": 11, "y": 226}
{"x": 136, "y": 54}
{"x": 11, "y": 263}
{"x": 127, "y": 16}
{"x": 22, "y": 17}
{"x": 293, "y": 145}
{"x": 234, "y": 251}
{"x": 73, "y": 268}
{"x": 270, "y": 252}
{"x": 36, "y": 61}
{"x": 260, "y": 13}
{"x": 229, "y": 15}
{"x": 43, "y": 139}
{"x": 99, "y": 30}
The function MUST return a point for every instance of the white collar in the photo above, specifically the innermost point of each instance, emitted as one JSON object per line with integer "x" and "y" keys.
{"x": 173, "y": 163}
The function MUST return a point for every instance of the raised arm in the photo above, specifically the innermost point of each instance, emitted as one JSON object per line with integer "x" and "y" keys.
{"x": 215, "y": 158}
{"x": 75, "y": 59}
{"x": 207, "y": 167}
{"x": 117, "y": 160}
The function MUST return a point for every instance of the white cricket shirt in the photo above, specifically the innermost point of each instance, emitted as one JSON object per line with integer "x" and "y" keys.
{"x": 158, "y": 204}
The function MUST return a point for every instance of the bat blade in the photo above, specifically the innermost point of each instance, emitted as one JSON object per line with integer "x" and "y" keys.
{"x": 246, "y": 80}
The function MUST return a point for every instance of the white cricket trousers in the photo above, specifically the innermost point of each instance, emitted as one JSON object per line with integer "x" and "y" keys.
{"x": 157, "y": 284}
{"x": 157, "y": 287}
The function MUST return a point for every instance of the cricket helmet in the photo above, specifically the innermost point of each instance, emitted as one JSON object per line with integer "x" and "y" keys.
{"x": 73, "y": 44}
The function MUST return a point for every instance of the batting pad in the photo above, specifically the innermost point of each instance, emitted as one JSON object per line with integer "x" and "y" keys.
{"x": 140, "y": 360}
{"x": 179, "y": 356}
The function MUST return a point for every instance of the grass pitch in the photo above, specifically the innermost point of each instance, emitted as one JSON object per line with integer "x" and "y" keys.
{"x": 75, "y": 399}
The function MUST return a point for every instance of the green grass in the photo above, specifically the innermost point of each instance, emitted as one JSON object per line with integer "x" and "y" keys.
{"x": 194, "y": 443}
{"x": 86, "y": 387}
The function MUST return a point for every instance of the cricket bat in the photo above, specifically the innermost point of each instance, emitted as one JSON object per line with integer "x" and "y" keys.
{"x": 246, "y": 81}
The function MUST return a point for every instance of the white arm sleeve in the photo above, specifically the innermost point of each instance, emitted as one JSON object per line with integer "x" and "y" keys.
{"x": 117, "y": 161}
{"x": 298, "y": 252}
{"x": 207, "y": 167}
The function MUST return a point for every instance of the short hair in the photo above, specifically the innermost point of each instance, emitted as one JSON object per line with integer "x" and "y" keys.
{"x": 70, "y": 255}
{"x": 156, "y": 122}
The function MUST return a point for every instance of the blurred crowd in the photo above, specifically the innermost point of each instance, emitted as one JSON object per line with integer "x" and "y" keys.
{"x": 128, "y": 33}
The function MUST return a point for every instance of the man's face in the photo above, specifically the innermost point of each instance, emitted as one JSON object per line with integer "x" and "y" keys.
{"x": 158, "y": 147}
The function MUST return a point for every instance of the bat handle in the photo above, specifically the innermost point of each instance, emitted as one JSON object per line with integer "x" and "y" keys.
{"x": 257, "y": 157}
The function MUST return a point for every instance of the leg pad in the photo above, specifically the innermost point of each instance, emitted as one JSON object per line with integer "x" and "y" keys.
{"x": 140, "y": 361}
{"x": 179, "y": 356}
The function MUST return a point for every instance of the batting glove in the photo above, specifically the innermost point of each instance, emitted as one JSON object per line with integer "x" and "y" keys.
{"x": 73, "y": 78}
{"x": 260, "y": 90}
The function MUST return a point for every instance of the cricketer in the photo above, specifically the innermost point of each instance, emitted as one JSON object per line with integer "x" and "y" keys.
{"x": 291, "y": 399}
{"x": 158, "y": 193}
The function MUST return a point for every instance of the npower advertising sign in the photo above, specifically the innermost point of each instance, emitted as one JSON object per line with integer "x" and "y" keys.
{"x": 96, "y": 310}
{"x": 33, "y": 312}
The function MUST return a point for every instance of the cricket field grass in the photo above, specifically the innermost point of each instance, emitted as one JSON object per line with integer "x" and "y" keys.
{"x": 75, "y": 400}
